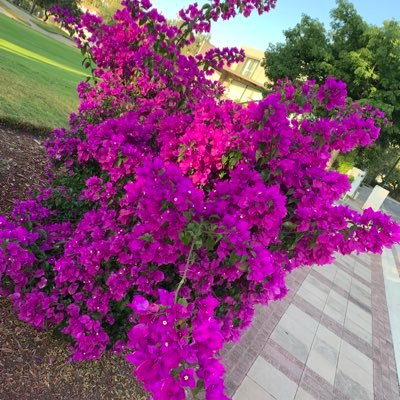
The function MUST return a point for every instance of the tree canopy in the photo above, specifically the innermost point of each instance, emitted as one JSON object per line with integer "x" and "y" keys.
{"x": 104, "y": 8}
{"x": 366, "y": 57}
{"x": 306, "y": 53}
{"x": 71, "y": 5}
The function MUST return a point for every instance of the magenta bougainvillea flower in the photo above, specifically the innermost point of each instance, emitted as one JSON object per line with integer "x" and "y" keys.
{"x": 170, "y": 211}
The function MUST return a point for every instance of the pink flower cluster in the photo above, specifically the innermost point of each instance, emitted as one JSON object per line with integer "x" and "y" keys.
{"x": 171, "y": 212}
{"x": 159, "y": 341}
{"x": 218, "y": 58}
{"x": 201, "y": 18}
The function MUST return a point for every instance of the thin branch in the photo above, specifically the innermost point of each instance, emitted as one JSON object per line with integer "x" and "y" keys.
{"x": 185, "y": 271}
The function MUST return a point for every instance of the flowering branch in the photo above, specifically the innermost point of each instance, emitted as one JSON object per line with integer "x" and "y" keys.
{"x": 154, "y": 162}
{"x": 185, "y": 271}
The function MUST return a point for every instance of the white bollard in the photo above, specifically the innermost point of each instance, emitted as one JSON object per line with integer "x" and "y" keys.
{"x": 358, "y": 176}
{"x": 376, "y": 198}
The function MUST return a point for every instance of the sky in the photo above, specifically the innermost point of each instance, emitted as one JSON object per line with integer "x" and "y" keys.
{"x": 258, "y": 31}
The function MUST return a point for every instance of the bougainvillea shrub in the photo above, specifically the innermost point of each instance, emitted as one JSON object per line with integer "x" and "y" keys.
{"x": 171, "y": 212}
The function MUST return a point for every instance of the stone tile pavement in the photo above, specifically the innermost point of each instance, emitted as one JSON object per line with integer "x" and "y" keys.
{"x": 330, "y": 338}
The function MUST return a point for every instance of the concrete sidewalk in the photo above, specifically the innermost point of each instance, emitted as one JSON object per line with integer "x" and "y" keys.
{"x": 389, "y": 206}
{"x": 329, "y": 339}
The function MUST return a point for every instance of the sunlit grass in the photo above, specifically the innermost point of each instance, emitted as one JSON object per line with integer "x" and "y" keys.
{"x": 38, "y": 76}
{"x": 20, "y": 51}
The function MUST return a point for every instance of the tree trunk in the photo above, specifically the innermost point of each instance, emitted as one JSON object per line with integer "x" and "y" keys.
{"x": 396, "y": 194}
{"x": 391, "y": 170}
{"x": 46, "y": 16}
{"x": 334, "y": 156}
{"x": 32, "y": 7}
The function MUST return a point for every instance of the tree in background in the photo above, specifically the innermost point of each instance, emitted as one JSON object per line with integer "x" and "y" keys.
{"x": 71, "y": 5}
{"x": 45, "y": 5}
{"x": 106, "y": 9}
{"x": 379, "y": 69}
{"x": 367, "y": 57}
{"x": 305, "y": 53}
{"x": 350, "y": 55}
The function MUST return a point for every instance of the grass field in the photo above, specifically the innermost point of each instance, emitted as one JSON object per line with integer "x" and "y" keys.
{"x": 10, "y": 11}
{"x": 38, "y": 76}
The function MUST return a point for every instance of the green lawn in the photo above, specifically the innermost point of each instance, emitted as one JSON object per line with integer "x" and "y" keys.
{"x": 10, "y": 11}
{"x": 38, "y": 76}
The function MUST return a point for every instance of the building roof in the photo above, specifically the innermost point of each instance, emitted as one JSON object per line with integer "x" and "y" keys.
{"x": 250, "y": 52}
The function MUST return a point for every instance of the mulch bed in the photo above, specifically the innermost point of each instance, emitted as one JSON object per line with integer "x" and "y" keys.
{"x": 22, "y": 162}
{"x": 33, "y": 364}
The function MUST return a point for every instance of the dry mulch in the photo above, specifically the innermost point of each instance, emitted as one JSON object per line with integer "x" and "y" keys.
{"x": 22, "y": 162}
{"x": 33, "y": 364}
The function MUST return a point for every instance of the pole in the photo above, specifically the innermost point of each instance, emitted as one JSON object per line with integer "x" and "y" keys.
{"x": 391, "y": 170}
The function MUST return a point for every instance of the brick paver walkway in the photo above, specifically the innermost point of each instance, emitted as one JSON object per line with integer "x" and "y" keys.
{"x": 329, "y": 339}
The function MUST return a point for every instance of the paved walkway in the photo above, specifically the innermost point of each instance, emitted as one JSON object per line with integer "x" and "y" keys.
{"x": 329, "y": 339}
{"x": 389, "y": 206}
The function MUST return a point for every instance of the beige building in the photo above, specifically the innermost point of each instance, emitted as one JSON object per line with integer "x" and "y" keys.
{"x": 243, "y": 81}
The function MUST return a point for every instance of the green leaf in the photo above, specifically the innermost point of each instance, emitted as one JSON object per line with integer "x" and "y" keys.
{"x": 147, "y": 237}
{"x": 166, "y": 205}
{"x": 183, "y": 302}
{"x": 185, "y": 237}
{"x": 188, "y": 215}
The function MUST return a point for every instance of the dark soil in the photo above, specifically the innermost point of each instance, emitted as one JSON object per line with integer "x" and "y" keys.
{"x": 33, "y": 364}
